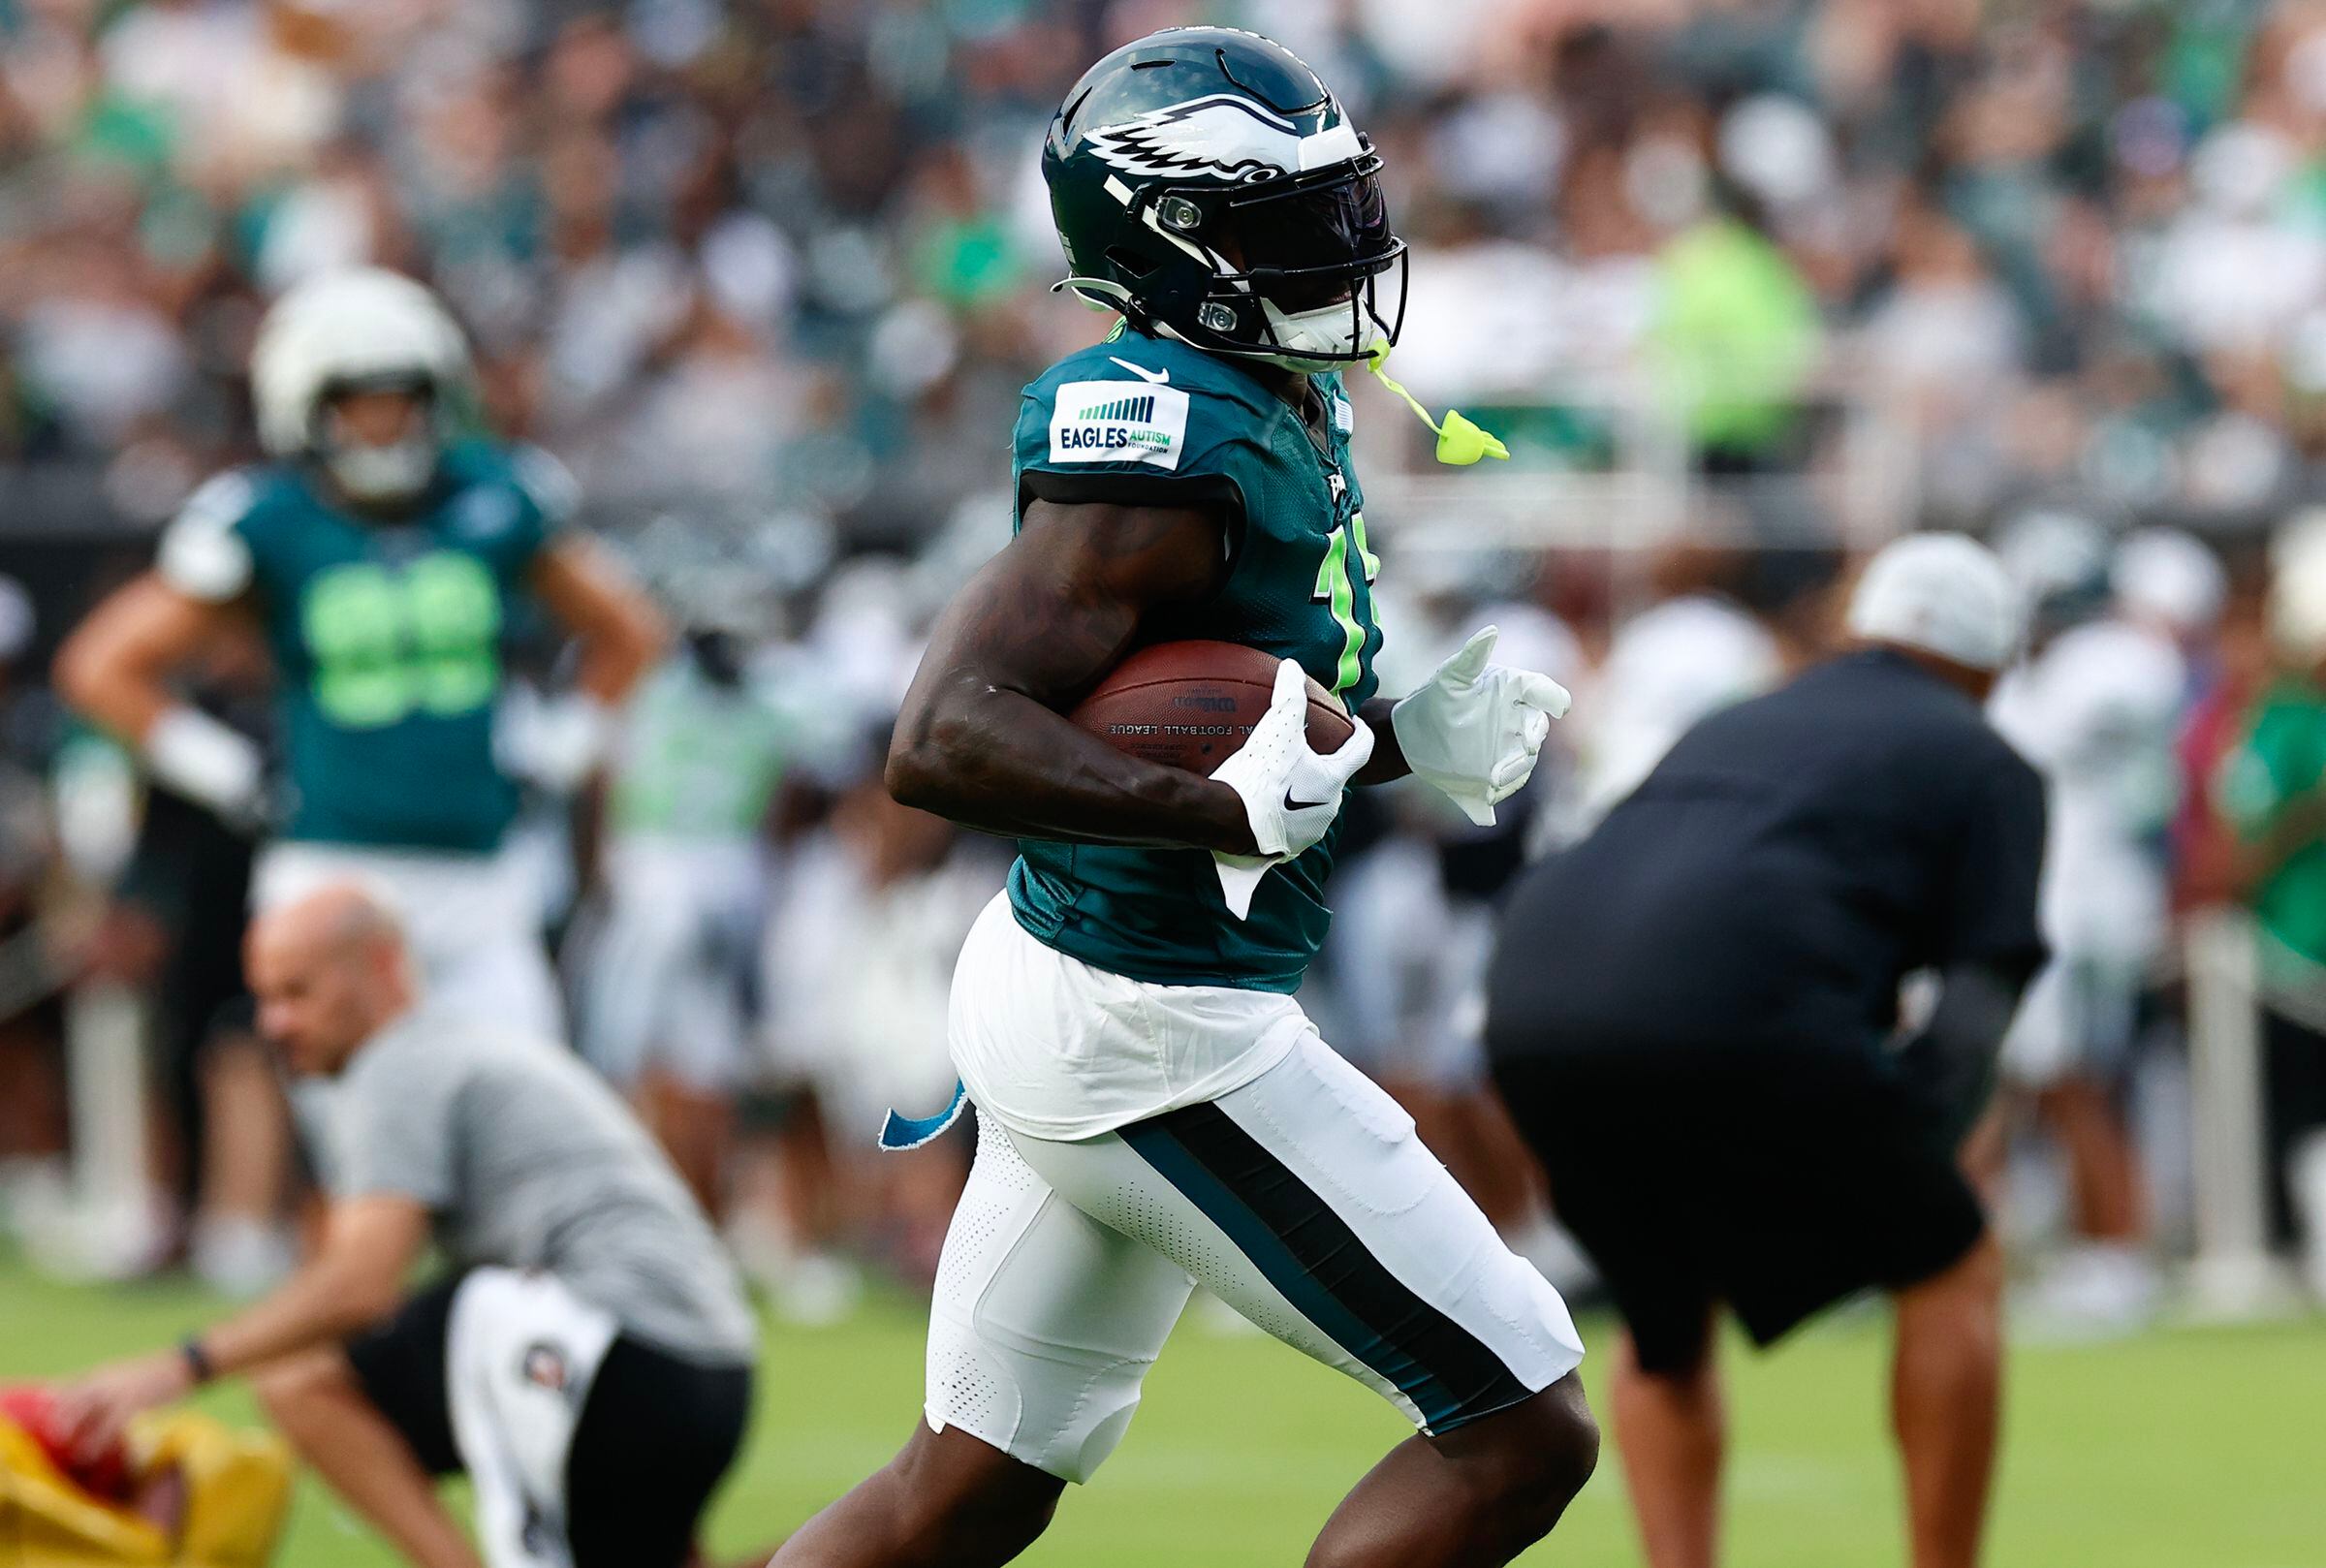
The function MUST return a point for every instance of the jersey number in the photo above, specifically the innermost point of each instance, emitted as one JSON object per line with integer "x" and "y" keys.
{"x": 389, "y": 643}
{"x": 1333, "y": 587}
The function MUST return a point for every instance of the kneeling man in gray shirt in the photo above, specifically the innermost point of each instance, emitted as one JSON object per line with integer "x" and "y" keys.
{"x": 587, "y": 1360}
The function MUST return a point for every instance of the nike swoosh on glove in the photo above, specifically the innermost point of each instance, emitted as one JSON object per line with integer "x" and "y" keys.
{"x": 1472, "y": 731}
{"x": 1291, "y": 792}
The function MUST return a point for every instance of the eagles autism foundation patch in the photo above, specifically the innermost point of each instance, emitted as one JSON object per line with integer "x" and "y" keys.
{"x": 1117, "y": 421}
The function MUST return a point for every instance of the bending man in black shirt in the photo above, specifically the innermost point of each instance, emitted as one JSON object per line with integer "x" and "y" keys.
{"x": 1693, "y": 1015}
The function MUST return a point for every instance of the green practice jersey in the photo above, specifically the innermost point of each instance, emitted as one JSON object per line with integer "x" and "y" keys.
{"x": 387, "y": 638}
{"x": 698, "y": 760}
{"x": 1144, "y": 420}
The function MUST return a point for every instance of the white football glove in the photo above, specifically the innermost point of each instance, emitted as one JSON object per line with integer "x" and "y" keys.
{"x": 1473, "y": 730}
{"x": 208, "y": 762}
{"x": 1291, "y": 794}
{"x": 556, "y": 741}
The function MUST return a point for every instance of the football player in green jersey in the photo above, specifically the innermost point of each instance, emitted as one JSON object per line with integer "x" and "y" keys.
{"x": 1154, "y": 1109}
{"x": 684, "y": 861}
{"x": 381, "y": 556}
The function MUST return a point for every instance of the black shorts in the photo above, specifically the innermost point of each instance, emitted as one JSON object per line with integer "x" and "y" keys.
{"x": 657, "y": 1433}
{"x": 400, "y": 1366}
{"x": 1774, "y": 1182}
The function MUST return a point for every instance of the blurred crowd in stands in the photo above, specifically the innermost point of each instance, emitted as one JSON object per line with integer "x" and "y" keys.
{"x": 767, "y": 274}
{"x": 793, "y": 254}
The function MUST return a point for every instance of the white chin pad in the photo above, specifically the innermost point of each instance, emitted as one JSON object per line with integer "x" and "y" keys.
{"x": 384, "y": 473}
{"x": 1327, "y": 338}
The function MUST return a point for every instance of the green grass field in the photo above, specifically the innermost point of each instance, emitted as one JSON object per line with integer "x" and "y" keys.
{"x": 2188, "y": 1449}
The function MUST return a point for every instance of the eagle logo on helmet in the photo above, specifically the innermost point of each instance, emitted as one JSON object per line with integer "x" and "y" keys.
{"x": 1220, "y": 137}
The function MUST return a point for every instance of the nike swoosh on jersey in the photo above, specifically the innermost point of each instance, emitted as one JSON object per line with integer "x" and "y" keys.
{"x": 1156, "y": 378}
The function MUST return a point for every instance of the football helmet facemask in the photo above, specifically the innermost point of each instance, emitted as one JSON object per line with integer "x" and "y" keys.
{"x": 364, "y": 329}
{"x": 1207, "y": 185}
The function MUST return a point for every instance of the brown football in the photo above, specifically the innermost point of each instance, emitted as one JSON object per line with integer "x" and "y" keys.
{"x": 1191, "y": 705}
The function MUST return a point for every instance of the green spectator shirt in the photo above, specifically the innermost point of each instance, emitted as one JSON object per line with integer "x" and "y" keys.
{"x": 2282, "y": 759}
{"x": 1735, "y": 336}
{"x": 1144, "y": 420}
{"x": 387, "y": 638}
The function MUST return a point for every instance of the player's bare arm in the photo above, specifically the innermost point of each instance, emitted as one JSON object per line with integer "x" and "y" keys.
{"x": 621, "y": 632}
{"x": 982, "y": 738}
{"x": 116, "y": 666}
{"x": 354, "y": 1278}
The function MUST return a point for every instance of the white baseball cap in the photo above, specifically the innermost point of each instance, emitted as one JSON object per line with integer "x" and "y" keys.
{"x": 1943, "y": 593}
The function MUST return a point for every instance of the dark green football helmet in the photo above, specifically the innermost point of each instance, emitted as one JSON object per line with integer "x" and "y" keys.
{"x": 1210, "y": 188}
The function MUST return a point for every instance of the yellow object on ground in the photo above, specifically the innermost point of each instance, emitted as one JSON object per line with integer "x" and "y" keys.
{"x": 237, "y": 1493}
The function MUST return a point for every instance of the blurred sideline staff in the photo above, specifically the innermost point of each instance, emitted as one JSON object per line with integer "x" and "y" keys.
{"x": 663, "y": 966}
{"x": 175, "y": 925}
{"x": 2272, "y": 790}
{"x": 586, "y": 1364}
{"x": 386, "y": 559}
{"x": 762, "y": 967}
{"x": 2095, "y": 707}
{"x": 1714, "y": 1092}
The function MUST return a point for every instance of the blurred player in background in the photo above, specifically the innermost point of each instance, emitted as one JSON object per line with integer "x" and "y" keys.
{"x": 2095, "y": 707}
{"x": 385, "y": 557}
{"x": 1691, "y": 1012}
{"x": 666, "y": 977}
{"x": 587, "y": 1361}
{"x": 2178, "y": 586}
{"x": 1696, "y": 649}
{"x": 1153, "y": 1108}
{"x": 875, "y": 903}
{"x": 186, "y": 880}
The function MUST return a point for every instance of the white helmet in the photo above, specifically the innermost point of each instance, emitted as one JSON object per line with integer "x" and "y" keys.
{"x": 347, "y": 329}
